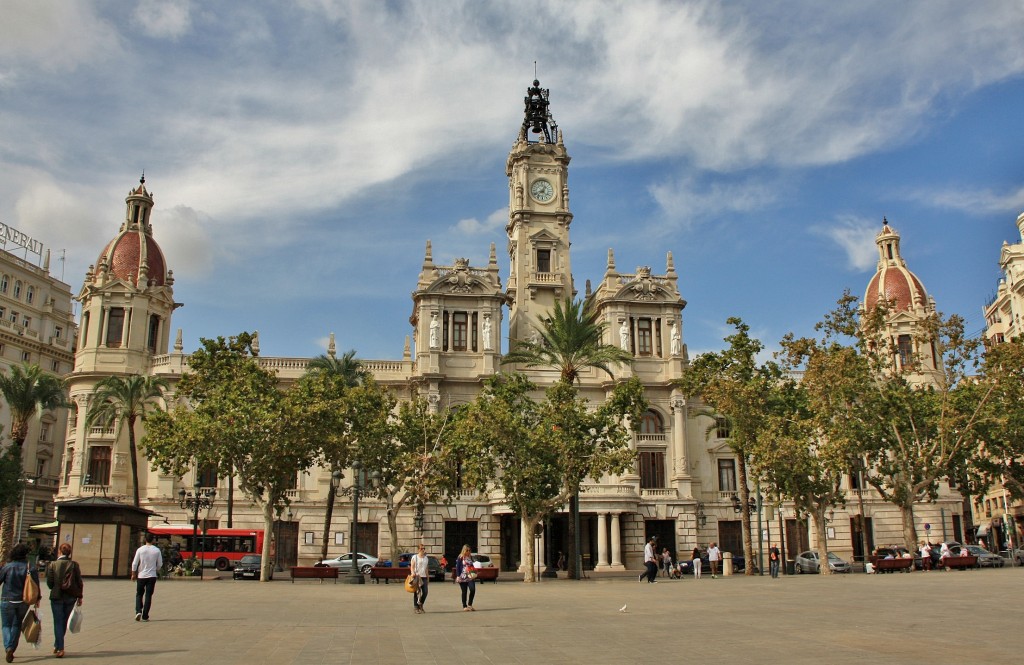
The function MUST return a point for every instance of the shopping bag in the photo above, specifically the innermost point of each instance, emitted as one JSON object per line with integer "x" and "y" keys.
{"x": 412, "y": 584}
{"x": 31, "y": 626}
{"x": 30, "y": 593}
{"x": 75, "y": 620}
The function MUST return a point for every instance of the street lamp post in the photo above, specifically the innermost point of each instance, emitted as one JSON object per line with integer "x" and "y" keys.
{"x": 21, "y": 511}
{"x": 357, "y": 487}
{"x": 196, "y": 500}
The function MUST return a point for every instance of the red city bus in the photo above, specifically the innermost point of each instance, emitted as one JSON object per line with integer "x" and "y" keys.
{"x": 222, "y": 547}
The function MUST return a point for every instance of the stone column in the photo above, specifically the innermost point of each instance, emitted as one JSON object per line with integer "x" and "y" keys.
{"x": 616, "y": 544}
{"x": 682, "y": 469}
{"x": 602, "y": 543}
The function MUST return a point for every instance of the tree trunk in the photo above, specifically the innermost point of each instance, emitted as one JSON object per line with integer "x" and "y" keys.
{"x": 748, "y": 548}
{"x": 909, "y": 528}
{"x": 266, "y": 565}
{"x": 231, "y": 495}
{"x": 393, "y": 529}
{"x": 573, "y": 557}
{"x": 819, "y": 528}
{"x": 531, "y": 550}
{"x": 133, "y": 455}
{"x": 6, "y": 532}
{"x": 332, "y": 493}
{"x": 968, "y": 514}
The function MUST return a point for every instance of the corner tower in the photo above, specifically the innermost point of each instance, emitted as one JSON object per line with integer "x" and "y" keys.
{"x": 538, "y": 219}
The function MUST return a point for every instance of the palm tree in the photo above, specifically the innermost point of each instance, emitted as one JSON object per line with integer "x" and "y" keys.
{"x": 570, "y": 341}
{"x": 346, "y": 367}
{"x": 352, "y": 374}
{"x": 125, "y": 400}
{"x": 28, "y": 391}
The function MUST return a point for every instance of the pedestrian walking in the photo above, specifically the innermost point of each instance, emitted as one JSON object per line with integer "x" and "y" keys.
{"x": 666, "y": 562}
{"x": 926, "y": 556}
{"x": 696, "y": 563}
{"x": 465, "y": 573}
{"x": 12, "y": 605}
{"x": 714, "y": 556}
{"x": 145, "y": 565}
{"x": 773, "y": 560}
{"x": 63, "y": 601}
{"x": 419, "y": 568}
{"x": 650, "y": 562}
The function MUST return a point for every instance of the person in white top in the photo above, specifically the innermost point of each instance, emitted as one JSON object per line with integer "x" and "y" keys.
{"x": 419, "y": 569}
{"x": 145, "y": 565}
{"x": 650, "y": 562}
{"x": 714, "y": 556}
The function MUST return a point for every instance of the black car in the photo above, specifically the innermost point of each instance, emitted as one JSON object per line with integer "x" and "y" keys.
{"x": 433, "y": 566}
{"x": 248, "y": 568}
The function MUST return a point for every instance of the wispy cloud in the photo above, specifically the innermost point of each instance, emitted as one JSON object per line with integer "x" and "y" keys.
{"x": 163, "y": 19}
{"x": 855, "y": 236}
{"x": 492, "y": 223}
{"x": 977, "y": 201}
{"x": 686, "y": 200}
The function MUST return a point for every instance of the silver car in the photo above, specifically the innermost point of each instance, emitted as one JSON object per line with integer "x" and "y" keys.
{"x": 986, "y": 559}
{"x": 807, "y": 562}
{"x": 344, "y": 562}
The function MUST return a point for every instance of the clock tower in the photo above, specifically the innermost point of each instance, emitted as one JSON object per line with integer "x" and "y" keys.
{"x": 538, "y": 218}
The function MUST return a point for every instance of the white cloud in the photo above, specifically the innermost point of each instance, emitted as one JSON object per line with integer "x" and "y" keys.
{"x": 856, "y": 237}
{"x": 163, "y": 19}
{"x": 52, "y": 35}
{"x": 187, "y": 241}
{"x": 493, "y": 223}
{"x": 686, "y": 201}
{"x": 979, "y": 201}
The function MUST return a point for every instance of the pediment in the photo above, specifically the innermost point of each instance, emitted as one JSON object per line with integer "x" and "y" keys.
{"x": 544, "y": 236}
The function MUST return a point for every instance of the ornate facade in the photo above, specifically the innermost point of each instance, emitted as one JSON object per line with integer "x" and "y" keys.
{"x": 682, "y": 488}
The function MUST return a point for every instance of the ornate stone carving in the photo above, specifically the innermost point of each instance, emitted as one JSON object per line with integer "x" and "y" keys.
{"x": 460, "y": 280}
{"x": 643, "y": 286}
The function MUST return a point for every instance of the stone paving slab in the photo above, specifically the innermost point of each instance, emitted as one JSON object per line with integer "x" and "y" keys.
{"x": 950, "y": 617}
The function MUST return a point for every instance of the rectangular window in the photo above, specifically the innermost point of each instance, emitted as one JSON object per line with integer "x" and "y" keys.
{"x": 99, "y": 466}
{"x": 3, "y": 312}
{"x": 460, "y": 324}
{"x": 444, "y": 343}
{"x": 30, "y": 295}
{"x": 58, "y": 332}
{"x": 85, "y": 328}
{"x": 726, "y": 475}
{"x": 67, "y": 467}
{"x": 4, "y": 281}
{"x": 652, "y": 469}
{"x": 44, "y": 432}
{"x": 543, "y": 260}
{"x": 115, "y": 326}
{"x": 906, "y": 350}
{"x": 722, "y": 429}
{"x": 644, "y": 345}
{"x": 154, "y": 331}
{"x": 27, "y": 321}
{"x": 14, "y": 316}
{"x": 39, "y": 508}
{"x": 40, "y": 468}
{"x": 208, "y": 476}
{"x": 474, "y": 333}
{"x": 26, "y": 356}
{"x": 55, "y": 366}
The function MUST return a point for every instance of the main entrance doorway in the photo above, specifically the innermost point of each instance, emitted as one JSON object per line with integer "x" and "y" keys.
{"x": 457, "y": 534}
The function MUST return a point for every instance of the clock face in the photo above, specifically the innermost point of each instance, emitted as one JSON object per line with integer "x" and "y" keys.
{"x": 542, "y": 190}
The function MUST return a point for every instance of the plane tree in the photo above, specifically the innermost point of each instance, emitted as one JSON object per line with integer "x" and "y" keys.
{"x": 232, "y": 416}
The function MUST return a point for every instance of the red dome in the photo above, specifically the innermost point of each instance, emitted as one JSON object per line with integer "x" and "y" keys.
{"x": 124, "y": 256}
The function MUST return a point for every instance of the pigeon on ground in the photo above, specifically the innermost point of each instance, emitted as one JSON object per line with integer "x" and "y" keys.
{"x": 622, "y": 609}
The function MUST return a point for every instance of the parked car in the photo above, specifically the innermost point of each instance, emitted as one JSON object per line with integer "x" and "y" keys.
{"x": 954, "y": 549}
{"x": 739, "y": 564}
{"x": 482, "y": 561}
{"x": 807, "y": 562}
{"x": 248, "y": 568}
{"x": 986, "y": 559}
{"x": 344, "y": 562}
{"x": 433, "y": 565}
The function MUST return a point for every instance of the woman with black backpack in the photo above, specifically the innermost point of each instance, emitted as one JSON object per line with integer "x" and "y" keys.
{"x": 64, "y": 578}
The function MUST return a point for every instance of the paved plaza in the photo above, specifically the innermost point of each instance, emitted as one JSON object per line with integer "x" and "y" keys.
{"x": 956, "y": 617}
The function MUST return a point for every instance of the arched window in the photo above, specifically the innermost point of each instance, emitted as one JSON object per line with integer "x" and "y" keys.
{"x": 4, "y": 281}
{"x": 17, "y": 289}
{"x": 651, "y": 423}
{"x": 30, "y": 295}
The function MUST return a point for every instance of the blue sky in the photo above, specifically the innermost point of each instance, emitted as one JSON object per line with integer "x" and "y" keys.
{"x": 301, "y": 154}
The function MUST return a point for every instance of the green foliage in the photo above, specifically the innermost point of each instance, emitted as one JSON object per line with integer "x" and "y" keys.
{"x": 570, "y": 342}
{"x": 233, "y": 417}
{"x": 125, "y": 400}
{"x": 12, "y": 481}
{"x": 28, "y": 391}
{"x": 539, "y": 452}
{"x": 348, "y": 368}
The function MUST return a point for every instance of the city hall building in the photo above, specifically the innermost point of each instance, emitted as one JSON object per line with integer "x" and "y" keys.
{"x": 682, "y": 488}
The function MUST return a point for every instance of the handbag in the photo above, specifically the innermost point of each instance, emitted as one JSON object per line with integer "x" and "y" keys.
{"x": 72, "y": 582}
{"x": 471, "y": 575}
{"x": 75, "y": 620}
{"x": 30, "y": 594}
{"x": 31, "y": 626}
{"x": 412, "y": 584}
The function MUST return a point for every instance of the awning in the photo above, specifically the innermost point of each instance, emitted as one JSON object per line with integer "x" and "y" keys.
{"x": 49, "y": 527}
{"x": 983, "y": 530}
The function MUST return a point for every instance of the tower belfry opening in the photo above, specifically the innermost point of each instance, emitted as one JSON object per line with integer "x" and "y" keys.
{"x": 538, "y": 118}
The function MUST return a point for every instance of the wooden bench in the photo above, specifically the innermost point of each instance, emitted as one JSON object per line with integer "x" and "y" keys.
{"x": 388, "y": 573}
{"x": 893, "y": 565}
{"x": 489, "y": 574}
{"x": 962, "y": 562}
{"x": 314, "y": 573}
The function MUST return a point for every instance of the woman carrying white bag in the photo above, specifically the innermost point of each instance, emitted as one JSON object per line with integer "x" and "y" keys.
{"x": 64, "y": 578}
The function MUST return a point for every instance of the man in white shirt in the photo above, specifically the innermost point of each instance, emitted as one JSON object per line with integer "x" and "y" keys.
{"x": 714, "y": 556}
{"x": 650, "y": 562}
{"x": 419, "y": 569}
{"x": 145, "y": 565}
